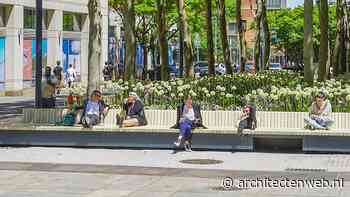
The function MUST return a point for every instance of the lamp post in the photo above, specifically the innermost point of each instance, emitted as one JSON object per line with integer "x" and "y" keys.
{"x": 197, "y": 43}
{"x": 38, "y": 39}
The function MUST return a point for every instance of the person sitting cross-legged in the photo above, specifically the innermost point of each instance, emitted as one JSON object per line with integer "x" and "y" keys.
{"x": 188, "y": 117}
{"x": 135, "y": 115}
{"x": 320, "y": 113}
{"x": 94, "y": 110}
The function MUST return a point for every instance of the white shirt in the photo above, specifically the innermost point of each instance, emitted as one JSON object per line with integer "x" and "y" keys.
{"x": 71, "y": 74}
{"x": 92, "y": 108}
{"x": 189, "y": 115}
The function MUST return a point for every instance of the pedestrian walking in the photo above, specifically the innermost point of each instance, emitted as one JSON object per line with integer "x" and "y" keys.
{"x": 58, "y": 72}
{"x": 71, "y": 76}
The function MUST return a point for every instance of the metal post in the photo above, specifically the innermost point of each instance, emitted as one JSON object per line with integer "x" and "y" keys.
{"x": 181, "y": 45}
{"x": 38, "y": 39}
{"x": 197, "y": 54}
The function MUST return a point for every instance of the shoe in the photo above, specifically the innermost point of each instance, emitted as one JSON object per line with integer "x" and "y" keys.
{"x": 177, "y": 144}
{"x": 239, "y": 131}
{"x": 188, "y": 148}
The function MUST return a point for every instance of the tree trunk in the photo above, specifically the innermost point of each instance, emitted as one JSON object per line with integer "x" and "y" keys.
{"x": 163, "y": 42}
{"x": 348, "y": 40}
{"x": 145, "y": 61}
{"x": 240, "y": 36}
{"x": 224, "y": 40}
{"x": 266, "y": 36}
{"x": 95, "y": 37}
{"x": 308, "y": 45}
{"x": 130, "y": 41}
{"x": 339, "y": 42}
{"x": 210, "y": 41}
{"x": 323, "y": 52}
{"x": 181, "y": 49}
{"x": 187, "y": 44}
{"x": 257, "y": 47}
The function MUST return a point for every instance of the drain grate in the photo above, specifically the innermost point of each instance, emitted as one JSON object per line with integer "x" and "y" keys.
{"x": 306, "y": 169}
{"x": 201, "y": 161}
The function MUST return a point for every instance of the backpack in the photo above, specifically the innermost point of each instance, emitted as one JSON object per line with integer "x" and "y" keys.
{"x": 68, "y": 120}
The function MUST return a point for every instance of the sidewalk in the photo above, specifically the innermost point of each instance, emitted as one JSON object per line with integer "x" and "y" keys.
{"x": 238, "y": 161}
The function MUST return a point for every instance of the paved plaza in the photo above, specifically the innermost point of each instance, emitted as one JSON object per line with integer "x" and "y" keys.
{"x": 68, "y": 172}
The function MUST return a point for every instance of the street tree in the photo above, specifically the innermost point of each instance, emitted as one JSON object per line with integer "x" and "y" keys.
{"x": 308, "y": 46}
{"x": 324, "y": 44}
{"x": 224, "y": 39}
{"x": 262, "y": 43}
{"x": 95, "y": 37}
{"x": 240, "y": 30}
{"x": 187, "y": 39}
{"x": 162, "y": 38}
{"x": 340, "y": 57}
{"x": 210, "y": 42}
{"x": 126, "y": 8}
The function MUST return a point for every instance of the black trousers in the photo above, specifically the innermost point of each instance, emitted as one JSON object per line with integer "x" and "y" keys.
{"x": 48, "y": 102}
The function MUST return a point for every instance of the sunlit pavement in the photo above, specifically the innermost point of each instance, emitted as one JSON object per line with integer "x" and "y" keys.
{"x": 38, "y": 171}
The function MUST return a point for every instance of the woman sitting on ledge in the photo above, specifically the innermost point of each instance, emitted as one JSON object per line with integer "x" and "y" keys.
{"x": 135, "y": 115}
{"x": 188, "y": 117}
{"x": 320, "y": 113}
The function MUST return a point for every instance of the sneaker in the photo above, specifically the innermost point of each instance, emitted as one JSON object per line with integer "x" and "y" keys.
{"x": 177, "y": 144}
{"x": 188, "y": 148}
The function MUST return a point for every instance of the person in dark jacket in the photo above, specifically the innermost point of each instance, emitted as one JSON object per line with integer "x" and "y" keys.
{"x": 247, "y": 119}
{"x": 94, "y": 110}
{"x": 189, "y": 117}
{"x": 135, "y": 115}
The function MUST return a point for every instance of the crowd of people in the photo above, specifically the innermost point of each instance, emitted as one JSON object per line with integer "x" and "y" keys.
{"x": 189, "y": 116}
{"x": 93, "y": 110}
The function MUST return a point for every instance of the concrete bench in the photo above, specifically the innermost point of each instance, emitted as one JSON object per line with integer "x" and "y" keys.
{"x": 221, "y": 132}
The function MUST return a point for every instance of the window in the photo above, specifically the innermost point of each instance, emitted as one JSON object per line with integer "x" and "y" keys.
{"x": 68, "y": 22}
{"x": 232, "y": 28}
{"x": 29, "y": 19}
{"x": 273, "y": 4}
{"x": 71, "y": 22}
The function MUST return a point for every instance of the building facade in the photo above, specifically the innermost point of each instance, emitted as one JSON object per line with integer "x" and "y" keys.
{"x": 248, "y": 11}
{"x": 65, "y": 39}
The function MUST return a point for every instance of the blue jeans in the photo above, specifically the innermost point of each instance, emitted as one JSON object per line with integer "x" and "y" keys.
{"x": 186, "y": 129}
{"x": 318, "y": 123}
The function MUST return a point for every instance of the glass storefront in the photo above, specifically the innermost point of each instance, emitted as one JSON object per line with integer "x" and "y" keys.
{"x": 71, "y": 55}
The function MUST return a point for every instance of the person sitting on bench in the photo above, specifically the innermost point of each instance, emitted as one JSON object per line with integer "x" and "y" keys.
{"x": 247, "y": 119}
{"x": 188, "y": 117}
{"x": 320, "y": 113}
{"x": 135, "y": 115}
{"x": 94, "y": 110}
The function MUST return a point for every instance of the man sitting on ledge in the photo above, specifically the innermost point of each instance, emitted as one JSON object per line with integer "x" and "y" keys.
{"x": 135, "y": 115}
{"x": 94, "y": 110}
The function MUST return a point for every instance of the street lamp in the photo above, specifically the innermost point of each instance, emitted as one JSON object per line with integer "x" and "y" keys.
{"x": 38, "y": 39}
{"x": 197, "y": 43}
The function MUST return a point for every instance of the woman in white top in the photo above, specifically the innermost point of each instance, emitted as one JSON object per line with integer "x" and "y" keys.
{"x": 188, "y": 117}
